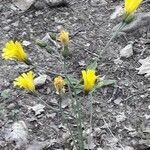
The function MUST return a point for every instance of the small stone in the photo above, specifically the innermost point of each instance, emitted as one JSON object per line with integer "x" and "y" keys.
{"x": 11, "y": 106}
{"x": 128, "y": 148}
{"x": 26, "y": 43}
{"x": 147, "y": 116}
{"x": 38, "y": 109}
{"x": 15, "y": 24}
{"x": 127, "y": 51}
{"x": 117, "y": 101}
{"x": 7, "y": 28}
{"x": 23, "y": 4}
{"x": 118, "y": 61}
{"x": 39, "y": 81}
{"x": 120, "y": 117}
{"x": 82, "y": 63}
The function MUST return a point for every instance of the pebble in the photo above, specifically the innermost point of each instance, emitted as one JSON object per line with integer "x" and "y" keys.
{"x": 117, "y": 101}
{"x": 127, "y": 51}
{"x": 7, "y": 28}
{"x": 11, "y": 106}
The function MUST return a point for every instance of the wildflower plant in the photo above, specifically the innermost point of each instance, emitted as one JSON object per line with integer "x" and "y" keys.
{"x": 88, "y": 83}
{"x": 130, "y": 6}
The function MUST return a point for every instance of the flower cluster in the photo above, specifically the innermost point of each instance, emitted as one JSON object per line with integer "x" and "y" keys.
{"x": 14, "y": 50}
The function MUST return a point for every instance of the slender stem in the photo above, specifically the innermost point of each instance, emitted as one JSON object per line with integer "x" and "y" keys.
{"x": 91, "y": 109}
{"x": 91, "y": 117}
{"x": 47, "y": 71}
{"x": 80, "y": 124}
{"x": 60, "y": 106}
{"x": 76, "y": 109}
{"x": 71, "y": 133}
{"x": 40, "y": 99}
{"x": 122, "y": 25}
{"x": 66, "y": 121}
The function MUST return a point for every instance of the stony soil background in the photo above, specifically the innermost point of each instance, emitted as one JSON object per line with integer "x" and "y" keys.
{"x": 125, "y": 106}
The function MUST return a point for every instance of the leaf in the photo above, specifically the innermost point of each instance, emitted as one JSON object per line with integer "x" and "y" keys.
{"x": 92, "y": 66}
{"x": 72, "y": 81}
{"x": 5, "y": 94}
{"x": 103, "y": 83}
{"x": 53, "y": 36}
{"x": 78, "y": 90}
{"x": 41, "y": 43}
{"x": 145, "y": 67}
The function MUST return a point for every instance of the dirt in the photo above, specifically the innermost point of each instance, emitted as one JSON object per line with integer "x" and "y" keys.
{"x": 125, "y": 106}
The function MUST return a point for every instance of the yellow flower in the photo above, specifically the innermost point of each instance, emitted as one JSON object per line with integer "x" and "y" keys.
{"x": 89, "y": 78}
{"x": 59, "y": 85}
{"x": 131, "y": 6}
{"x": 14, "y": 50}
{"x": 64, "y": 38}
{"x": 25, "y": 81}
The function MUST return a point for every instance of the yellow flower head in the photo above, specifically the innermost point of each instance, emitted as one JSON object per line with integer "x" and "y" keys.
{"x": 14, "y": 50}
{"x": 25, "y": 81}
{"x": 64, "y": 38}
{"x": 59, "y": 85}
{"x": 131, "y": 6}
{"x": 89, "y": 78}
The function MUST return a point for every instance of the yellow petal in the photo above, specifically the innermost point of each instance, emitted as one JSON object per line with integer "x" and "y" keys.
{"x": 59, "y": 85}
{"x": 131, "y": 6}
{"x": 89, "y": 79}
{"x": 25, "y": 81}
{"x": 64, "y": 38}
{"x": 14, "y": 50}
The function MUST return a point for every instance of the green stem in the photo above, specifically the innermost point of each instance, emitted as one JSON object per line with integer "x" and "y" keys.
{"x": 91, "y": 109}
{"x": 65, "y": 121}
{"x": 79, "y": 122}
{"x": 122, "y": 25}
{"x": 91, "y": 118}
{"x": 41, "y": 100}
{"x": 77, "y": 110}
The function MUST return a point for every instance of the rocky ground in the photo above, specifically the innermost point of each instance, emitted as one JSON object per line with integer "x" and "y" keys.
{"x": 121, "y": 117}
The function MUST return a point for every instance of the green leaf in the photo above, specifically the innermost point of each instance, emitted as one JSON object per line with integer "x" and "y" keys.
{"x": 92, "y": 66}
{"x": 49, "y": 50}
{"x": 41, "y": 43}
{"x": 78, "y": 90}
{"x": 5, "y": 94}
{"x": 53, "y": 36}
{"x": 105, "y": 83}
{"x": 72, "y": 80}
